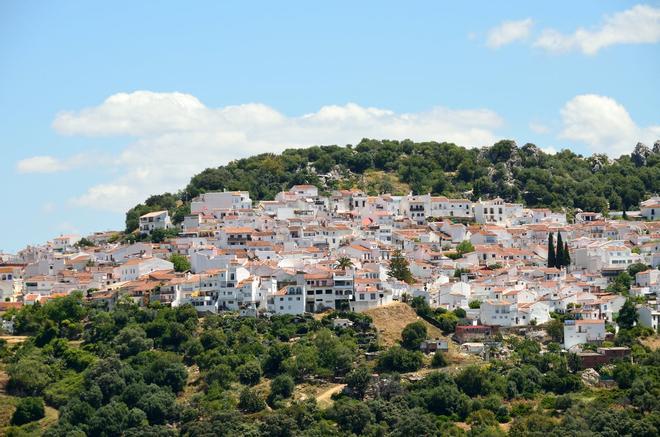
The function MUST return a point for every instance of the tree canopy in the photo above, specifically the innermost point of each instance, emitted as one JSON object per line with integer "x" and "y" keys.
{"x": 526, "y": 173}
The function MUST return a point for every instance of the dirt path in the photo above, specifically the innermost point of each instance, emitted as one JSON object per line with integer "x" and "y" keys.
{"x": 324, "y": 399}
{"x": 13, "y": 339}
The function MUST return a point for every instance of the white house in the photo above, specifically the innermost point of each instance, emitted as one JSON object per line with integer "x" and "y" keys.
{"x": 583, "y": 331}
{"x": 648, "y": 278}
{"x": 65, "y": 242}
{"x": 504, "y": 313}
{"x": 221, "y": 200}
{"x": 154, "y": 220}
{"x": 649, "y": 315}
{"x": 650, "y": 209}
{"x": 289, "y": 300}
{"x": 497, "y": 211}
{"x": 136, "y": 267}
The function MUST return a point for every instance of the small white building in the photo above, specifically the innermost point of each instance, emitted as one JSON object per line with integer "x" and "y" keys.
{"x": 583, "y": 331}
{"x": 650, "y": 209}
{"x": 221, "y": 200}
{"x": 649, "y": 315}
{"x": 65, "y": 242}
{"x": 289, "y": 300}
{"x": 154, "y": 220}
{"x": 497, "y": 211}
{"x": 136, "y": 267}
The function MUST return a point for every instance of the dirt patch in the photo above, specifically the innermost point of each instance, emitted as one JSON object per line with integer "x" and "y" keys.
{"x": 391, "y": 319}
{"x": 14, "y": 339}
{"x": 4, "y": 379}
{"x": 321, "y": 392}
{"x": 651, "y": 342}
{"x": 325, "y": 398}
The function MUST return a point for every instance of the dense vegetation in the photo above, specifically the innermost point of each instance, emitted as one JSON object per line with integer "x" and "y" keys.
{"x": 158, "y": 371}
{"x": 525, "y": 174}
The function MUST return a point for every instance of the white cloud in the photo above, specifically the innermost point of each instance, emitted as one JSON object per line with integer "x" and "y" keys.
{"x": 637, "y": 25}
{"x": 50, "y": 164}
{"x": 176, "y": 136}
{"x": 538, "y": 128}
{"x": 40, "y": 164}
{"x": 508, "y": 32}
{"x": 604, "y": 125}
{"x": 549, "y": 150}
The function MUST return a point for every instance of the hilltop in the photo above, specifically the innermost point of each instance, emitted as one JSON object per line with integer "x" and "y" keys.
{"x": 516, "y": 174}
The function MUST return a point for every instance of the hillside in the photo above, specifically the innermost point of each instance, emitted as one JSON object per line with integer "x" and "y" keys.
{"x": 390, "y": 320}
{"x": 523, "y": 174}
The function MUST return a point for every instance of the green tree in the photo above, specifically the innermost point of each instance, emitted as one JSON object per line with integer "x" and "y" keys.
{"x": 358, "y": 381}
{"x": 29, "y": 375}
{"x": 84, "y": 242}
{"x": 399, "y": 268}
{"x": 28, "y": 410}
{"x": 352, "y": 416}
{"x": 132, "y": 340}
{"x": 413, "y": 335}
{"x": 282, "y": 386}
{"x": 559, "y": 256}
{"x": 628, "y": 316}
{"x": 555, "y": 329}
{"x": 250, "y": 401}
{"x": 439, "y": 360}
{"x": 249, "y": 373}
{"x": 567, "y": 255}
{"x": 551, "y": 251}
{"x": 398, "y": 359}
{"x": 344, "y": 263}
{"x": 464, "y": 247}
{"x": 181, "y": 262}
{"x": 159, "y": 405}
{"x": 620, "y": 284}
{"x": 635, "y": 268}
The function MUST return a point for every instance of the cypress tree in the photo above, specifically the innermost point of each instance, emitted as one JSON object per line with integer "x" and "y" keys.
{"x": 559, "y": 257}
{"x": 551, "y": 250}
{"x": 567, "y": 255}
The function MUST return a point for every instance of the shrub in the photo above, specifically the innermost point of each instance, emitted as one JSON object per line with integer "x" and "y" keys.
{"x": 413, "y": 335}
{"x": 398, "y": 359}
{"x": 249, "y": 373}
{"x": 439, "y": 360}
{"x": 28, "y": 410}
{"x": 250, "y": 402}
{"x": 358, "y": 381}
{"x": 282, "y": 386}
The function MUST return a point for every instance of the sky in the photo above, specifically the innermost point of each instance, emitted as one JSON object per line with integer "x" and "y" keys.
{"x": 104, "y": 104}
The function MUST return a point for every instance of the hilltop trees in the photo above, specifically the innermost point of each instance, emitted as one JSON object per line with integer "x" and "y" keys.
{"x": 518, "y": 174}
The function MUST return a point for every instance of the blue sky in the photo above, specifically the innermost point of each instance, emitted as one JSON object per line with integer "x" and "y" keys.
{"x": 103, "y": 105}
